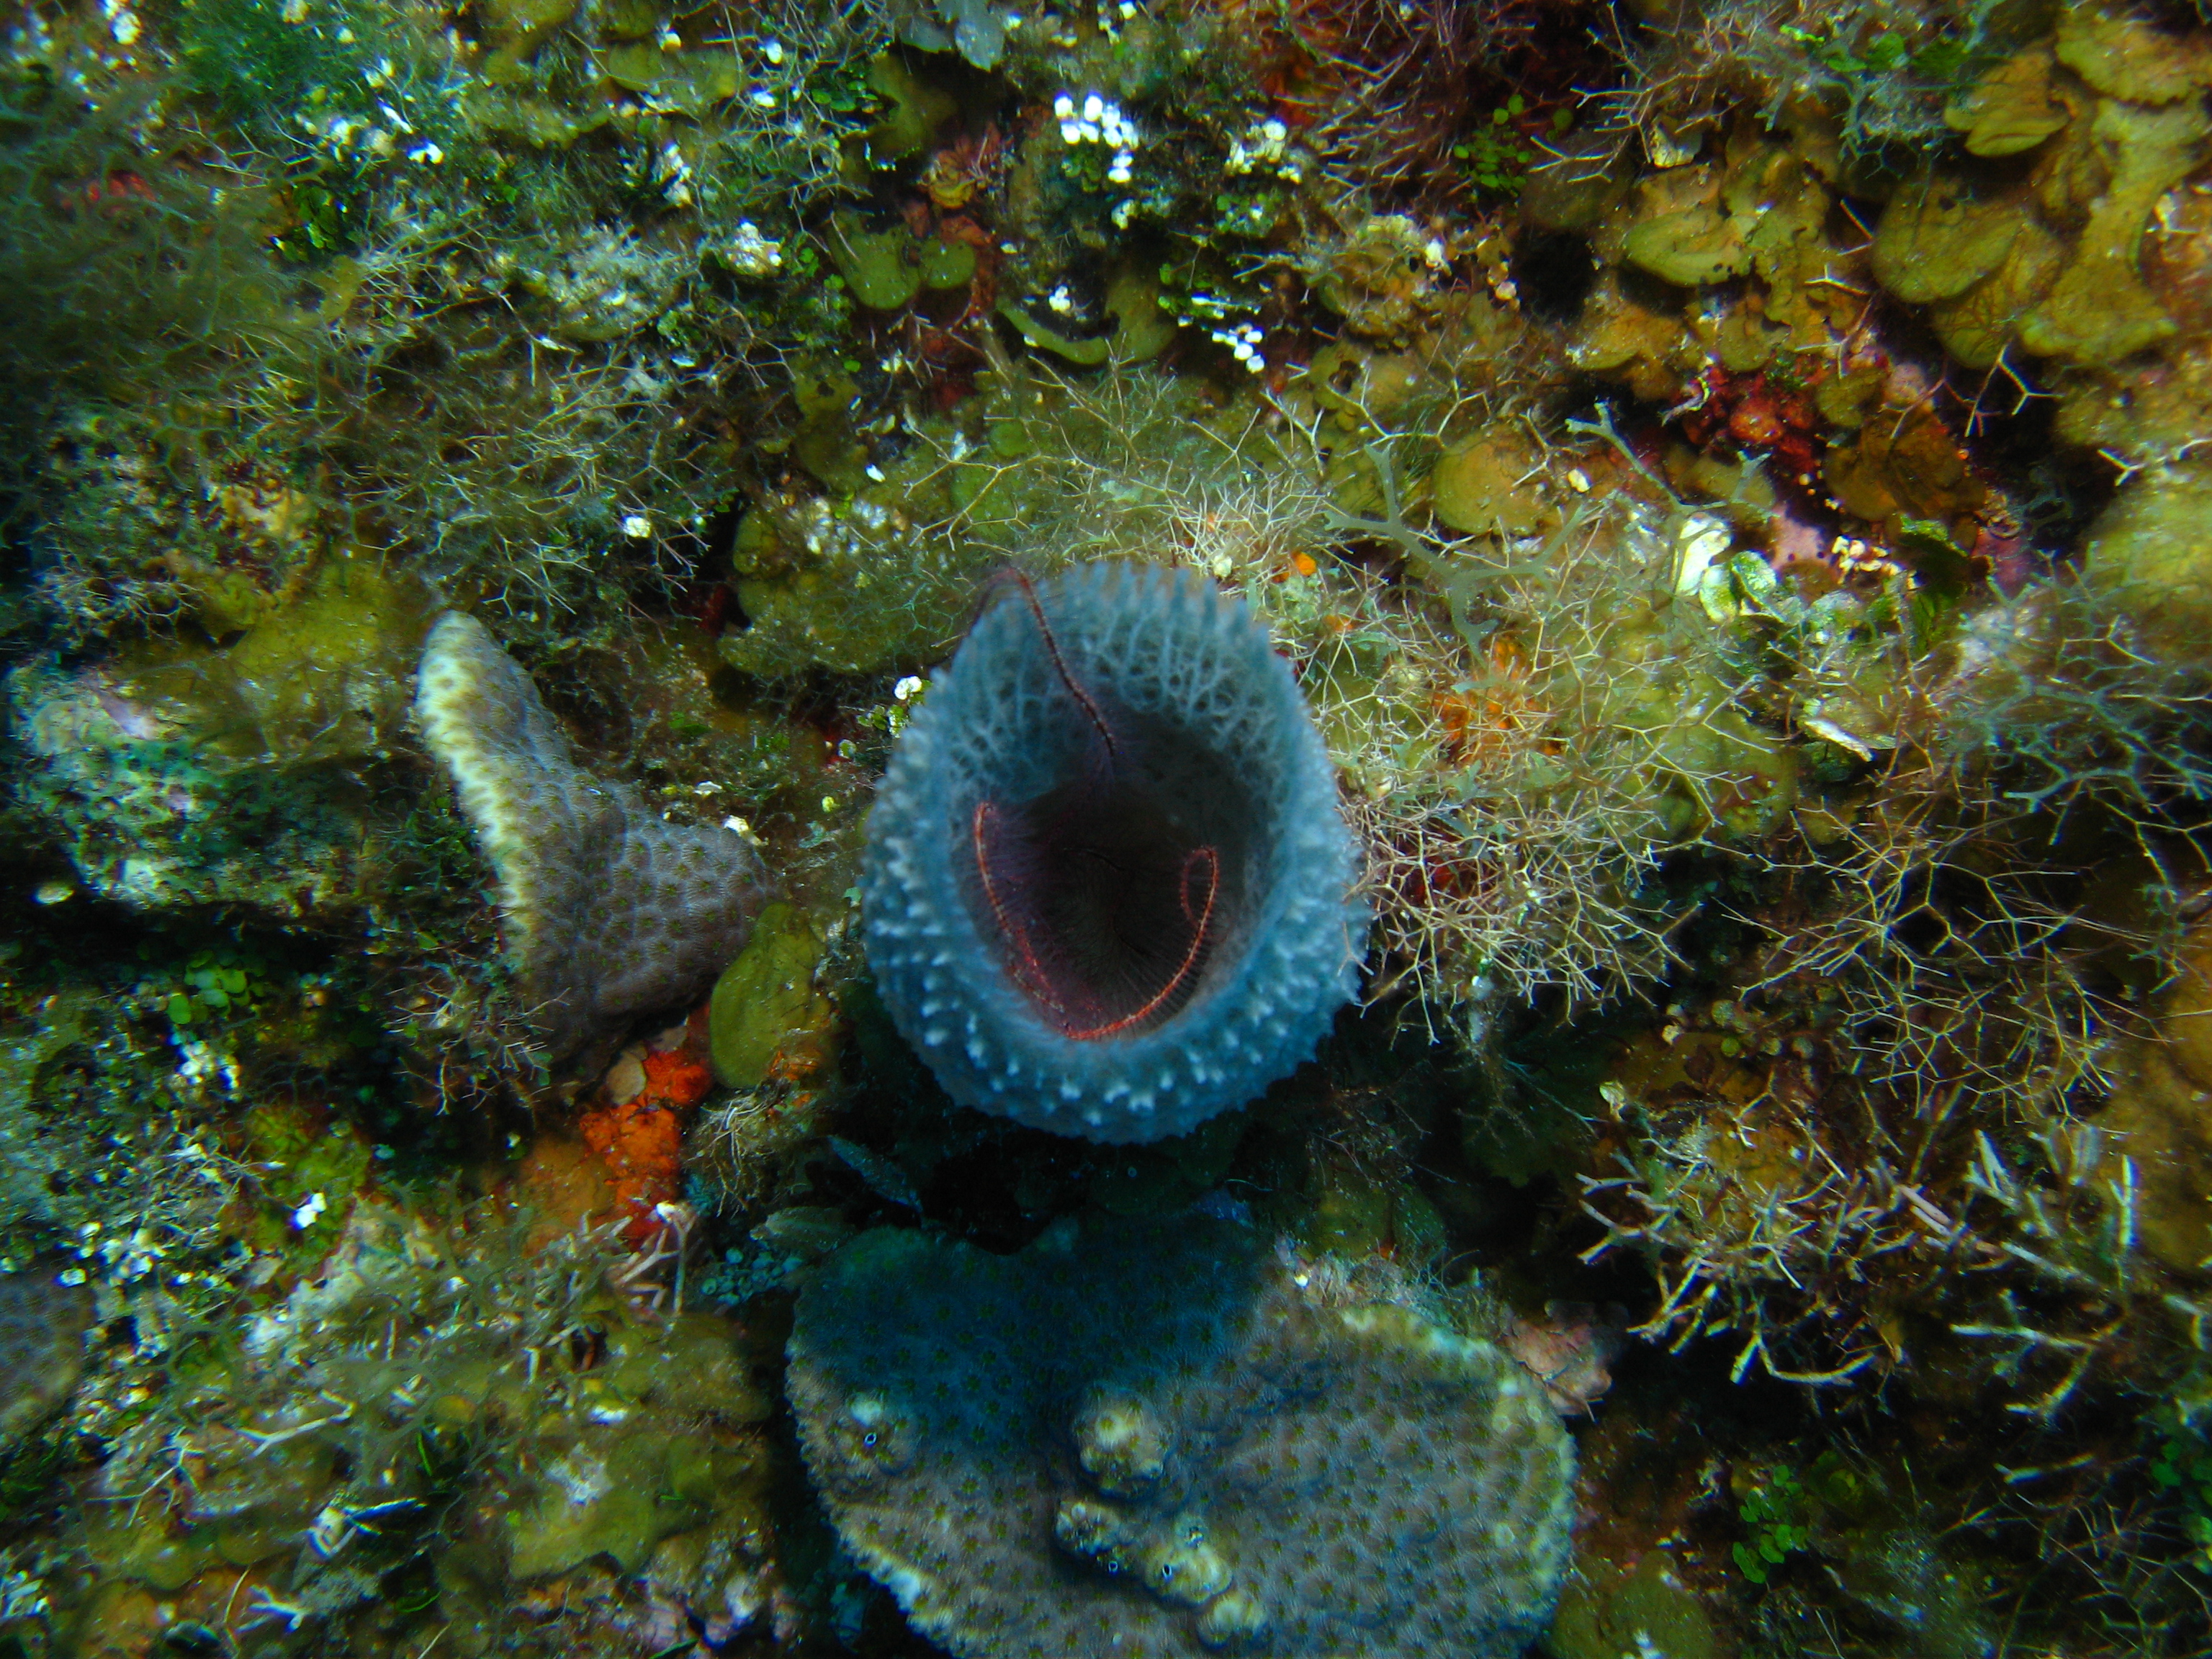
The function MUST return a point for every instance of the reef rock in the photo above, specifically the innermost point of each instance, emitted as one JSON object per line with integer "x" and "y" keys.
{"x": 1141, "y": 1440}
{"x": 179, "y": 774}
{"x": 42, "y": 1325}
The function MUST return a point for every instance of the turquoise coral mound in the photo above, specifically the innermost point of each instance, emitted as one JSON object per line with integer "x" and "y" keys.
{"x": 1108, "y": 891}
{"x": 1141, "y": 1439}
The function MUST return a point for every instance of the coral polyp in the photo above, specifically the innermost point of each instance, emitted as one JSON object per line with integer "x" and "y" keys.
{"x": 1108, "y": 890}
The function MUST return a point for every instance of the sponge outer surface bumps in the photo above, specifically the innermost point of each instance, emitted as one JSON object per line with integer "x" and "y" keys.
{"x": 610, "y": 911}
{"x": 1230, "y": 755}
{"x": 1353, "y": 1481}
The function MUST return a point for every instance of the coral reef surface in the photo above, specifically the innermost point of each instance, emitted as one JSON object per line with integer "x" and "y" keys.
{"x": 1141, "y": 1439}
{"x": 1726, "y": 480}
{"x": 41, "y": 1348}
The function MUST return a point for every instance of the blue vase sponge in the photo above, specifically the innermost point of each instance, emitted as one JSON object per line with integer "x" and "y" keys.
{"x": 1108, "y": 891}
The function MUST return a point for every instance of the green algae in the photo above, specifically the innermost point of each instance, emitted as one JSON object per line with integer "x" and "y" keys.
{"x": 857, "y": 587}
{"x": 1690, "y": 247}
{"x": 541, "y": 123}
{"x": 2052, "y": 263}
{"x": 1867, "y": 1522}
{"x": 2123, "y": 56}
{"x": 2098, "y": 310}
{"x": 1141, "y": 331}
{"x": 947, "y": 265}
{"x": 1720, "y": 770}
{"x": 1757, "y": 210}
{"x": 2011, "y": 108}
{"x": 1906, "y": 464}
{"x": 520, "y": 26}
{"x": 324, "y": 679}
{"x": 1608, "y": 1610}
{"x": 914, "y": 109}
{"x": 378, "y": 1368}
{"x": 1704, "y": 224}
{"x": 125, "y": 755}
{"x": 886, "y": 577}
{"x": 766, "y": 1003}
{"x": 2150, "y": 554}
{"x": 317, "y": 1168}
{"x": 1705, "y": 765}
{"x": 882, "y": 268}
{"x": 1936, "y": 240}
{"x": 1480, "y": 485}
{"x": 246, "y": 1509}
{"x": 1980, "y": 324}
{"x": 1380, "y": 278}
{"x": 634, "y": 1463}
{"x": 1355, "y": 1217}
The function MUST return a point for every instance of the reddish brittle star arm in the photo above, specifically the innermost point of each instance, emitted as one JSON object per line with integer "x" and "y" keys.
{"x": 1091, "y": 708}
{"x": 1027, "y": 968}
{"x": 1200, "y": 923}
{"x": 1030, "y": 971}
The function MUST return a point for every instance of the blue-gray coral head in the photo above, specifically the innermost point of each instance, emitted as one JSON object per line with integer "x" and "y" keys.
{"x": 1108, "y": 890}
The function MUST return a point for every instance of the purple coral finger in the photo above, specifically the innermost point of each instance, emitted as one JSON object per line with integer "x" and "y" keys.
{"x": 610, "y": 911}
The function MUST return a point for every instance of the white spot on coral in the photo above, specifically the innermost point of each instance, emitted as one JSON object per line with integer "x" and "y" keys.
{"x": 580, "y": 1477}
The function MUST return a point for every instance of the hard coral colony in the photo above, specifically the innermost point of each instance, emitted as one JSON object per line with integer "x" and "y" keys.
{"x": 610, "y": 912}
{"x": 1140, "y": 1440}
{"x": 1379, "y": 720}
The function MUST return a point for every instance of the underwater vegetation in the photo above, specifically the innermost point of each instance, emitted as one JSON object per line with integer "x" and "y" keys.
{"x": 1337, "y": 827}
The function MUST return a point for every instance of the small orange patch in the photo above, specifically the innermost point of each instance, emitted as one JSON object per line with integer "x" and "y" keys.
{"x": 1494, "y": 721}
{"x": 677, "y": 1077}
{"x": 642, "y": 1145}
{"x": 640, "y": 1141}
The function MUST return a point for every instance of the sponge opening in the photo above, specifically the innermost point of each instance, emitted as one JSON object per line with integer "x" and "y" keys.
{"x": 1111, "y": 894}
